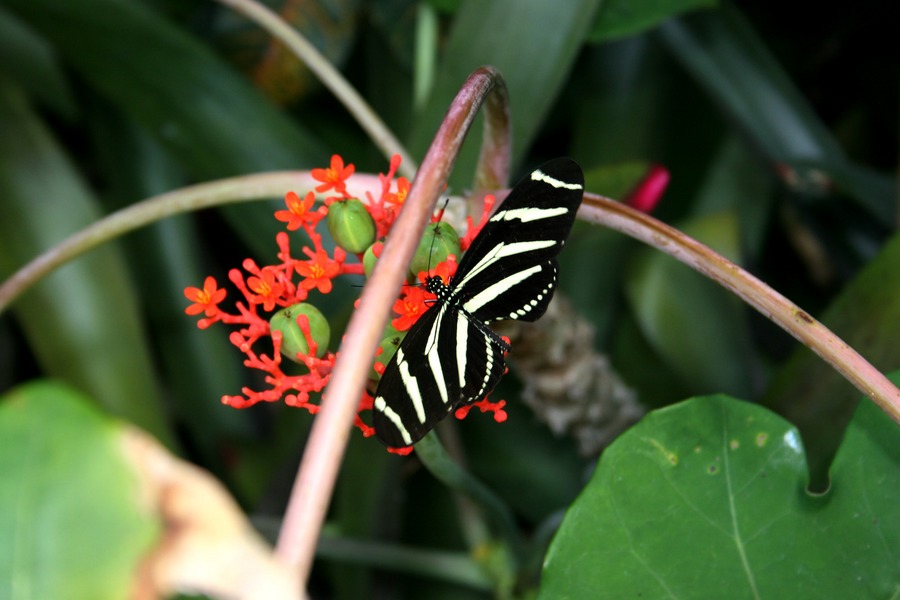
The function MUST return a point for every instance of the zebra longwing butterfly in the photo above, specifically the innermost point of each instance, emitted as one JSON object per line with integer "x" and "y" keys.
{"x": 450, "y": 357}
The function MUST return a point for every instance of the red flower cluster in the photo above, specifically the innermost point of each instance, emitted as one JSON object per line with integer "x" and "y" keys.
{"x": 273, "y": 287}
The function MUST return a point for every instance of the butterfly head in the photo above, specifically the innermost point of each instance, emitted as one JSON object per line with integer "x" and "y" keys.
{"x": 436, "y": 285}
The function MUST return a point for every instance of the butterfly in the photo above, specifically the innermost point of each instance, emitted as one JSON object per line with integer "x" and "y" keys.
{"x": 450, "y": 357}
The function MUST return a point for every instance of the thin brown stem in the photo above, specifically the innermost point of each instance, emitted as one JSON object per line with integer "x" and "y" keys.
{"x": 189, "y": 199}
{"x": 328, "y": 439}
{"x": 754, "y": 292}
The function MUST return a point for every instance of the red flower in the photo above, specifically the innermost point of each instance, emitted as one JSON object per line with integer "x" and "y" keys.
{"x": 205, "y": 300}
{"x": 318, "y": 271}
{"x": 334, "y": 177}
{"x": 298, "y": 212}
{"x": 268, "y": 289}
{"x": 402, "y": 191}
{"x": 410, "y": 307}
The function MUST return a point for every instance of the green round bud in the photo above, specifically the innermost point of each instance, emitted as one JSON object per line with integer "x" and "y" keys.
{"x": 293, "y": 342}
{"x": 351, "y": 225}
{"x": 439, "y": 242}
{"x": 370, "y": 258}
{"x": 388, "y": 347}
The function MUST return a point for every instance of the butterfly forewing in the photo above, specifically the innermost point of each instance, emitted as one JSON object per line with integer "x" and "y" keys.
{"x": 510, "y": 270}
{"x": 450, "y": 357}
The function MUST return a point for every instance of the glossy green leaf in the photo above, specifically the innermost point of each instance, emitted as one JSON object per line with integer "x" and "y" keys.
{"x": 620, "y": 18}
{"x": 696, "y": 326}
{"x": 69, "y": 503}
{"x": 706, "y": 499}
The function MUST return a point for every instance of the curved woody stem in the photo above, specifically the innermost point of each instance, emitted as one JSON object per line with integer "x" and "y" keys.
{"x": 156, "y": 208}
{"x": 328, "y": 438}
{"x": 775, "y": 307}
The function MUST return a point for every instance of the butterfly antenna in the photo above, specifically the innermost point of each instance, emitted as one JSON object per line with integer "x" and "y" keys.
{"x": 435, "y": 220}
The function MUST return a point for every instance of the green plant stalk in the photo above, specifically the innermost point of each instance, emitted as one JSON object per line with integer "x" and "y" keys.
{"x": 454, "y": 567}
{"x": 438, "y": 462}
{"x": 330, "y": 77}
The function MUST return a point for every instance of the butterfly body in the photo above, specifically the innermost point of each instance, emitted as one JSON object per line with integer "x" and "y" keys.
{"x": 450, "y": 357}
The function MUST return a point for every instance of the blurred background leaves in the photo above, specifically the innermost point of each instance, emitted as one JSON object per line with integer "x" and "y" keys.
{"x": 778, "y": 126}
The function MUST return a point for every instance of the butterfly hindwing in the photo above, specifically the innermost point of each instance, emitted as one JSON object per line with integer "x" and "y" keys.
{"x": 450, "y": 357}
{"x": 446, "y": 360}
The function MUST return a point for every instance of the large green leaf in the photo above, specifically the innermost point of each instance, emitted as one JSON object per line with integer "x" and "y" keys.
{"x": 69, "y": 504}
{"x": 532, "y": 43}
{"x": 199, "y": 367}
{"x": 706, "y": 499}
{"x": 82, "y": 321}
{"x": 734, "y": 65}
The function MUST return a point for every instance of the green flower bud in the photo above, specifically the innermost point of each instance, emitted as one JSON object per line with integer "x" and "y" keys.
{"x": 293, "y": 342}
{"x": 369, "y": 258}
{"x": 351, "y": 225}
{"x": 440, "y": 241}
{"x": 388, "y": 346}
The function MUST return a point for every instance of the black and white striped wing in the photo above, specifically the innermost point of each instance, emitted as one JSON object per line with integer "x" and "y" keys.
{"x": 450, "y": 357}
{"x": 510, "y": 270}
{"x": 445, "y": 361}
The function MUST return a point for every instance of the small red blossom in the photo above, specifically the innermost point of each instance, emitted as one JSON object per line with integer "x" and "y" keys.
{"x": 298, "y": 211}
{"x": 205, "y": 300}
{"x": 318, "y": 271}
{"x": 334, "y": 177}
{"x": 402, "y": 190}
{"x": 267, "y": 288}
{"x": 484, "y": 406}
{"x": 410, "y": 307}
